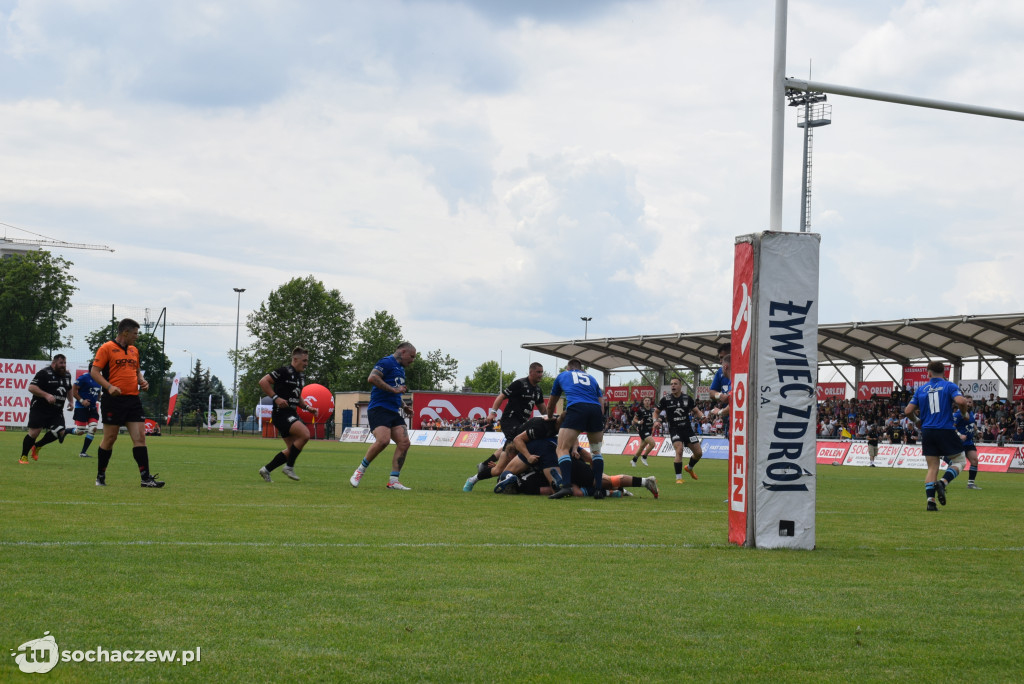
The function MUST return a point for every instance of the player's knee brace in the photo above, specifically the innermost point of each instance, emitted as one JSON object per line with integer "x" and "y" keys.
{"x": 958, "y": 462}
{"x": 595, "y": 449}
{"x": 91, "y": 429}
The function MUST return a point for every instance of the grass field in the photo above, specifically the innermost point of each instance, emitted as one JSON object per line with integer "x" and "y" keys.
{"x": 316, "y": 581}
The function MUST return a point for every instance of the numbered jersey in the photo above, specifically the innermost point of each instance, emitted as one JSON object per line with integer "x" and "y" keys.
{"x": 935, "y": 401}
{"x": 578, "y": 388}
{"x": 677, "y": 409}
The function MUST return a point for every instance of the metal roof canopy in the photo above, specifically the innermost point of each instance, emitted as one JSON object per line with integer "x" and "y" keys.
{"x": 953, "y": 338}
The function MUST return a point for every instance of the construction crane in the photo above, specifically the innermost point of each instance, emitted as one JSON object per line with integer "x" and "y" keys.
{"x": 23, "y": 245}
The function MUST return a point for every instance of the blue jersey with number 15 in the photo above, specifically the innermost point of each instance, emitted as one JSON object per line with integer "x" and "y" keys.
{"x": 578, "y": 388}
{"x": 935, "y": 401}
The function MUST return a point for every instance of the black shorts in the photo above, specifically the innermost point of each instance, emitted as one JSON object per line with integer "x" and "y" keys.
{"x": 582, "y": 474}
{"x": 532, "y": 481}
{"x": 943, "y": 443}
{"x": 86, "y": 414}
{"x": 644, "y": 434}
{"x": 379, "y": 417}
{"x": 683, "y": 433}
{"x": 46, "y": 416}
{"x": 122, "y": 409}
{"x": 510, "y": 427}
{"x": 584, "y": 418}
{"x": 283, "y": 420}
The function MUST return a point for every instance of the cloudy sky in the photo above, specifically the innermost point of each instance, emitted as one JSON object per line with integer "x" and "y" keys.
{"x": 489, "y": 171}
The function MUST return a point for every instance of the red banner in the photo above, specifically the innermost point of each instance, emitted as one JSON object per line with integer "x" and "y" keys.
{"x": 448, "y": 406}
{"x": 641, "y": 392}
{"x": 469, "y": 439}
{"x": 616, "y": 393}
{"x": 633, "y": 446}
{"x": 832, "y": 453}
{"x": 995, "y": 459}
{"x": 742, "y": 290}
{"x": 1018, "y": 389}
{"x": 880, "y": 388}
{"x": 831, "y": 390}
{"x": 915, "y": 376}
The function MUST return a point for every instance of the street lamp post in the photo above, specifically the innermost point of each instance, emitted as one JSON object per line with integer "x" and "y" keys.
{"x": 586, "y": 321}
{"x": 238, "y": 318}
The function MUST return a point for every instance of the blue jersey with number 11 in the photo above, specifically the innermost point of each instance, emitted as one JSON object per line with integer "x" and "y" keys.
{"x": 578, "y": 388}
{"x": 935, "y": 401}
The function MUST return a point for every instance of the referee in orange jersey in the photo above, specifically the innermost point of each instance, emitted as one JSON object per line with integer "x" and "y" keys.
{"x": 116, "y": 369}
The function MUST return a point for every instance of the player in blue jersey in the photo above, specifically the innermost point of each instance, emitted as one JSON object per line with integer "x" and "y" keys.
{"x": 584, "y": 412}
{"x": 939, "y": 440}
{"x": 86, "y": 393}
{"x": 965, "y": 428}
{"x": 385, "y": 413}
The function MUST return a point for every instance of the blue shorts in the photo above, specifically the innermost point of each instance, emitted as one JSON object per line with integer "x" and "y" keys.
{"x": 380, "y": 417}
{"x": 943, "y": 443}
{"x": 584, "y": 417}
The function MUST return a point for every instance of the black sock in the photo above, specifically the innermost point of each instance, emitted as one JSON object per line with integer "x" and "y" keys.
{"x": 679, "y": 467}
{"x": 26, "y": 445}
{"x": 141, "y": 455}
{"x": 295, "y": 451}
{"x": 483, "y": 470}
{"x": 279, "y": 460}
{"x": 693, "y": 461}
{"x": 635, "y": 458}
{"x": 103, "y": 459}
{"x": 87, "y": 444}
{"x": 972, "y": 473}
{"x": 47, "y": 439}
{"x": 637, "y": 482}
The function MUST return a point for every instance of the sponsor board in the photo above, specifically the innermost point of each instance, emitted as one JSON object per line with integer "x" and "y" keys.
{"x": 354, "y": 434}
{"x": 640, "y": 392}
{"x": 980, "y": 389}
{"x": 716, "y": 448}
{"x": 703, "y": 393}
{"x": 632, "y": 446}
{"x": 15, "y": 376}
{"x": 1018, "y": 389}
{"x": 742, "y": 293}
{"x": 421, "y": 437}
{"x": 666, "y": 448}
{"x": 614, "y": 444}
{"x": 995, "y": 459}
{"x": 445, "y": 438}
{"x": 832, "y": 453}
{"x": 886, "y": 457}
{"x": 908, "y": 456}
{"x": 915, "y": 376}
{"x": 616, "y": 393}
{"x": 449, "y": 406}
{"x": 879, "y": 388}
{"x": 1017, "y": 464}
{"x": 492, "y": 441}
{"x": 830, "y": 390}
{"x": 468, "y": 440}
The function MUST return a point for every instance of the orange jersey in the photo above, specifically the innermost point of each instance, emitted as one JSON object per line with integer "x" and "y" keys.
{"x": 120, "y": 366}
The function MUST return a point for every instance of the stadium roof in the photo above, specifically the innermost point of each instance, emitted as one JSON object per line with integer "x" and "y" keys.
{"x": 952, "y": 338}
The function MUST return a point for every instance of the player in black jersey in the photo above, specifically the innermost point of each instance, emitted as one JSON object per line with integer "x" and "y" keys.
{"x": 535, "y": 428}
{"x": 284, "y": 386}
{"x": 523, "y": 395}
{"x": 678, "y": 407}
{"x": 644, "y": 420}
{"x": 50, "y": 388}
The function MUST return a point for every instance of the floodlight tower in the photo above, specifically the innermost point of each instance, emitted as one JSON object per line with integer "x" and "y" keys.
{"x": 815, "y": 112}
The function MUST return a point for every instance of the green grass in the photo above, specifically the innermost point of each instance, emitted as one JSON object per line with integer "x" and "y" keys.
{"x": 315, "y": 581}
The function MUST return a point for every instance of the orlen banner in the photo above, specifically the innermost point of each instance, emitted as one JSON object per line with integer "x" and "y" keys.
{"x": 783, "y": 377}
{"x": 880, "y": 388}
{"x": 1018, "y": 389}
{"x": 742, "y": 289}
{"x": 831, "y": 390}
{"x": 641, "y": 392}
{"x": 447, "y": 406}
{"x": 15, "y": 375}
{"x": 616, "y": 393}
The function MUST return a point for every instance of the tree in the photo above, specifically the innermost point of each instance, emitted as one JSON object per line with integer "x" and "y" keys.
{"x": 486, "y": 378}
{"x": 302, "y": 312}
{"x": 153, "y": 362}
{"x": 431, "y": 371}
{"x": 35, "y": 296}
{"x": 193, "y": 390}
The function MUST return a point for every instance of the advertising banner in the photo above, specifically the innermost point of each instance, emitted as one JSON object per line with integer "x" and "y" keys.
{"x": 742, "y": 290}
{"x": 1017, "y": 465}
{"x": 1018, "y": 389}
{"x": 469, "y": 440}
{"x": 15, "y": 376}
{"x": 784, "y": 374}
{"x": 980, "y": 389}
{"x": 831, "y": 390}
{"x": 632, "y": 447}
{"x": 886, "y": 457}
{"x": 492, "y": 441}
{"x": 640, "y": 392}
{"x": 421, "y": 437}
{"x": 354, "y": 434}
{"x": 995, "y": 459}
{"x": 614, "y": 443}
{"x": 915, "y": 376}
{"x": 449, "y": 406}
{"x": 703, "y": 393}
{"x": 445, "y": 438}
{"x": 616, "y": 393}
{"x": 832, "y": 453}
{"x": 716, "y": 448}
{"x": 880, "y": 388}
{"x": 909, "y": 456}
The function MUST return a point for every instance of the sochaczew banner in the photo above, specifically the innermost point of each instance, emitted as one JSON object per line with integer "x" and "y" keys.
{"x": 15, "y": 376}
{"x": 782, "y": 379}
